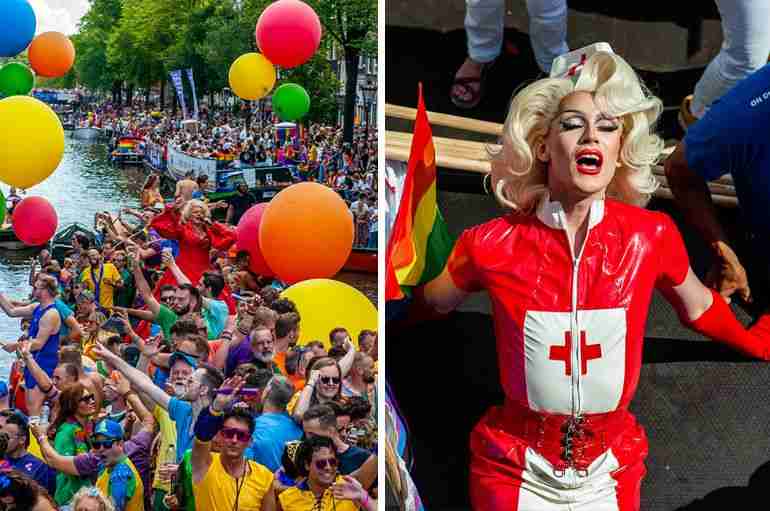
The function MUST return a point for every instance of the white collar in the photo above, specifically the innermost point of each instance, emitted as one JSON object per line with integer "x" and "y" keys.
{"x": 552, "y": 214}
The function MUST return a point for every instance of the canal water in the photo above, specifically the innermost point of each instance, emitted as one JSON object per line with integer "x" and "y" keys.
{"x": 84, "y": 184}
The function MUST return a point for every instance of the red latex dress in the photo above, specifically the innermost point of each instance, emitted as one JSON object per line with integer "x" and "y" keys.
{"x": 194, "y": 246}
{"x": 569, "y": 330}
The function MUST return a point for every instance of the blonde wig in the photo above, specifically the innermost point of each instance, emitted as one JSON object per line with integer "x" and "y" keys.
{"x": 520, "y": 180}
{"x": 187, "y": 209}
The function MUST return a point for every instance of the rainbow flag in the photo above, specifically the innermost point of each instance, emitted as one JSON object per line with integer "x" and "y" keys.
{"x": 419, "y": 243}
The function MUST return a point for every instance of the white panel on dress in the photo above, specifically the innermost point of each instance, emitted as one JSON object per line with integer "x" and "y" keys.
{"x": 549, "y": 357}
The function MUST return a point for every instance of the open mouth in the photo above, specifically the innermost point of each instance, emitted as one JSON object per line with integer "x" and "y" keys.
{"x": 589, "y": 161}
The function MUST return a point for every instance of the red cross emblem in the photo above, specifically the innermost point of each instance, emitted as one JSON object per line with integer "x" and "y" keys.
{"x": 564, "y": 353}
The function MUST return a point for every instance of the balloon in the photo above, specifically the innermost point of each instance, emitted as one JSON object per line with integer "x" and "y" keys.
{"x": 291, "y": 102}
{"x": 342, "y": 305}
{"x": 3, "y": 208}
{"x": 34, "y": 221}
{"x": 16, "y": 79}
{"x": 248, "y": 239}
{"x": 17, "y": 26}
{"x": 306, "y": 233}
{"x": 288, "y": 33}
{"x": 251, "y": 76}
{"x": 33, "y": 141}
{"x": 51, "y": 54}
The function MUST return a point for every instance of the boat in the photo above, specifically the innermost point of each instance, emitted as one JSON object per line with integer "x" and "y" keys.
{"x": 61, "y": 243}
{"x": 9, "y": 240}
{"x": 87, "y": 133}
{"x": 128, "y": 151}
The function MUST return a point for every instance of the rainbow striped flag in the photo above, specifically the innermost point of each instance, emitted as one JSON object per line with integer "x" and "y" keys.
{"x": 419, "y": 243}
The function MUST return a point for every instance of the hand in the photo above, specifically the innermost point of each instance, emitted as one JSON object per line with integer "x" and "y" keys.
{"x": 223, "y": 400}
{"x": 727, "y": 275}
{"x": 100, "y": 351}
{"x": 349, "y": 489}
{"x": 38, "y": 432}
{"x": 168, "y": 258}
{"x": 122, "y": 385}
{"x": 314, "y": 375}
{"x": 24, "y": 347}
{"x": 178, "y": 203}
{"x": 151, "y": 346}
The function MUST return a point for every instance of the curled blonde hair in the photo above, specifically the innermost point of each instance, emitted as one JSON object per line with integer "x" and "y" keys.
{"x": 520, "y": 180}
{"x": 92, "y": 492}
{"x": 187, "y": 209}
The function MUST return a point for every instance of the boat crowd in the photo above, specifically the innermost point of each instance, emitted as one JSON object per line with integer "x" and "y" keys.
{"x": 156, "y": 370}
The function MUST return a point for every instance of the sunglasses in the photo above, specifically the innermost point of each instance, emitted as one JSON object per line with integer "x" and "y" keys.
{"x": 238, "y": 434}
{"x": 102, "y": 444}
{"x": 90, "y": 398}
{"x": 328, "y": 462}
{"x": 330, "y": 380}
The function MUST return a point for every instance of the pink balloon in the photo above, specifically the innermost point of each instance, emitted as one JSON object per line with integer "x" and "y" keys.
{"x": 248, "y": 238}
{"x": 288, "y": 33}
{"x": 35, "y": 221}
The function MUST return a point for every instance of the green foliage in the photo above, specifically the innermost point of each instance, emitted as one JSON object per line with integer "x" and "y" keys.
{"x": 136, "y": 43}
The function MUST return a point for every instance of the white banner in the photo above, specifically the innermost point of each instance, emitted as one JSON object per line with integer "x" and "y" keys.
{"x": 180, "y": 164}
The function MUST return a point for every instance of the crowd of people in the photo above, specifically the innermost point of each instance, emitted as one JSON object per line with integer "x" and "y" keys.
{"x": 156, "y": 371}
{"x": 315, "y": 154}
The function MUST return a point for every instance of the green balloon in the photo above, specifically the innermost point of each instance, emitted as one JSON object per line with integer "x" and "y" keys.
{"x": 2, "y": 207}
{"x": 16, "y": 79}
{"x": 290, "y": 102}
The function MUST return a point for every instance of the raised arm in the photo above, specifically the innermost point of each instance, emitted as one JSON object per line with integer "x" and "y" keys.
{"x": 12, "y": 311}
{"x": 123, "y": 387}
{"x": 53, "y": 459}
{"x": 42, "y": 378}
{"x": 138, "y": 379}
{"x": 142, "y": 287}
{"x": 305, "y": 395}
{"x": 346, "y": 362}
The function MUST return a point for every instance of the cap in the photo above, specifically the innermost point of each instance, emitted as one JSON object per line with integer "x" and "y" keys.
{"x": 86, "y": 294}
{"x": 180, "y": 355}
{"x": 111, "y": 429}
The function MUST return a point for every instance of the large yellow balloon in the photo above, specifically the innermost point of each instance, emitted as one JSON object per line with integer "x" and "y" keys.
{"x": 325, "y": 304}
{"x": 31, "y": 141}
{"x": 252, "y": 76}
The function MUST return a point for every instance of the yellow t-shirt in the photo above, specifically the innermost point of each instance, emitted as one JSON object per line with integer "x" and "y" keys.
{"x": 110, "y": 274}
{"x": 167, "y": 437}
{"x": 293, "y": 402}
{"x": 216, "y": 492}
{"x": 300, "y": 498}
{"x": 132, "y": 486}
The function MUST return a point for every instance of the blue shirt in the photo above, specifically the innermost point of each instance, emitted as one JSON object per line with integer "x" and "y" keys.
{"x": 64, "y": 311}
{"x": 181, "y": 413}
{"x": 732, "y": 139}
{"x": 35, "y": 469}
{"x": 215, "y": 316}
{"x": 271, "y": 432}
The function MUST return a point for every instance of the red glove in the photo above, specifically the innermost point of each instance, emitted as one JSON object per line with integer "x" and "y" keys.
{"x": 719, "y": 323}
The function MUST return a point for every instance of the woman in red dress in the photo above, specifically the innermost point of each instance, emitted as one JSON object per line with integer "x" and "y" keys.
{"x": 196, "y": 234}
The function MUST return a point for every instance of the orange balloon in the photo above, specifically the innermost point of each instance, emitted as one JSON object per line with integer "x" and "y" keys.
{"x": 51, "y": 54}
{"x": 306, "y": 233}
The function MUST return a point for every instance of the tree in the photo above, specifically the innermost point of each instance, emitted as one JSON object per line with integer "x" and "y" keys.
{"x": 353, "y": 25}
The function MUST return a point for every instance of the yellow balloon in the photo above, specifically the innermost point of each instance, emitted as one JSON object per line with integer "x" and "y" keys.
{"x": 31, "y": 141}
{"x": 325, "y": 304}
{"x": 251, "y": 76}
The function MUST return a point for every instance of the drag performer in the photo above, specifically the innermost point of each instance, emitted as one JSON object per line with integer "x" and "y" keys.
{"x": 570, "y": 273}
{"x": 196, "y": 234}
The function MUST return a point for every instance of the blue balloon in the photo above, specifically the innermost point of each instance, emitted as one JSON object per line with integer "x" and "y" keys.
{"x": 17, "y": 26}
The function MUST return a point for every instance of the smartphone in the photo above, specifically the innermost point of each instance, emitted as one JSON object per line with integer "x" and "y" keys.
{"x": 242, "y": 392}
{"x": 114, "y": 324}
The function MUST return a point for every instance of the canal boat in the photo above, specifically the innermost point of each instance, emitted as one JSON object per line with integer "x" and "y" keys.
{"x": 61, "y": 243}
{"x": 89, "y": 134}
{"x": 128, "y": 151}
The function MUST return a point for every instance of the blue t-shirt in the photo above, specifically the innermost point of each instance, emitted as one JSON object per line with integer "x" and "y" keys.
{"x": 35, "y": 469}
{"x": 215, "y": 316}
{"x": 181, "y": 413}
{"x": 64, "y": 311}
{"x": 271, "y": 432}
{"x": 732, "y": 139}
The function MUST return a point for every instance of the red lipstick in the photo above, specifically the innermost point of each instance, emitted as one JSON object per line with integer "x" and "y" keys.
{"x": 589, "y": 161}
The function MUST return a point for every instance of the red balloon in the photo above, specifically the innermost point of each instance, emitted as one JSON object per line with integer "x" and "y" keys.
{"x": 248, "y": 239}
{"x": 35, "y": 221}
{"x": 288, "y": 33}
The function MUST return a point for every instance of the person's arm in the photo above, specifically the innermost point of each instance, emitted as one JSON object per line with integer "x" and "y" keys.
{"x": 52, "y": 458}
{"x": 350, "y": 488}
{"x": 76, "y": 331}
{"x": 269, "y": 502}
{"x": 346, "y": 362}
{"x": 143, "y": 288}
{"x": 230, "y": 214}
{"x": 209, "y": 423}
{"x": 144, "y": 314}
{"x": 138, "y": 379}
{"x": 37, "y": 372}
{"x": 220, "y": 357}
{"x": 367, "y": 472}
{"x": 693, "y": 198}
{"x": 123, "y": 388}
{"x": 303, "y": 402}
{"x": 13, "y": 311}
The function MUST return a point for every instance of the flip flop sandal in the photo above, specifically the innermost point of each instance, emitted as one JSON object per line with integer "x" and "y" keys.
{"x": 475, "y": 95}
